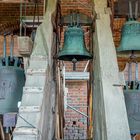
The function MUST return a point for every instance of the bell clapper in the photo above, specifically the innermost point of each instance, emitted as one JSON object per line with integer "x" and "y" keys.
{"x": 74, "y": 61}
{"x": 132, "y": 57}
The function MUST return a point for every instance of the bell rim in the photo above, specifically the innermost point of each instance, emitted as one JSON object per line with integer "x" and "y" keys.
{"x": 12, "y": 68}
{"x": 77, "y": 57}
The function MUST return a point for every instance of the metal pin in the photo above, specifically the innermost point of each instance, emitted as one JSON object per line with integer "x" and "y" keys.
{"x": 130, "y": 10}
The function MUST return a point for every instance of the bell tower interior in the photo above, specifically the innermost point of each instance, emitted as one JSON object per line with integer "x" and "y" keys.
{"x": 69, "y": 69}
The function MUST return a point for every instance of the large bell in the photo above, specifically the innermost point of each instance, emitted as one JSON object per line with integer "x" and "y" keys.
{"x": 74, "y": 45}
{"x": 130, "y": 37}
{"x": 12, "y": 80}
{"x": 132, "y": 99}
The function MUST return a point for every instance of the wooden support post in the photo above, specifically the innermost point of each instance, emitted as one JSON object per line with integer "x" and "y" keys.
{"x": 2, "y": 136}
{"x": 7, "y": 136}
{"x": 110, "y": 117}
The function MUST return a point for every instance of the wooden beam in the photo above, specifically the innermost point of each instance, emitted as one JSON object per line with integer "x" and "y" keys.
{"x": 14, "y": 1}
{"x": 2, "y": 136}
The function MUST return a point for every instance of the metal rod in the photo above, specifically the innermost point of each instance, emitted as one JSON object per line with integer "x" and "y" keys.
{"x": 64, "y": 75}
{"x": 130, "y": 10}
{"x": 71, "y": 22}
{"x": 81, "y": 4}
{"x": 4, "y": 47}
{"x": 136, "y": 72}
{"x": 136, "y": 9}
{"x": 129, "y": 72}
{"x": 38, "y": 13}
{"x": 77, "y": 111}
{"x": 74, "y": 66}
{"x": 44, "y": 7}
{"x": 11, "y": 47}
{"x": 74, "y": 61}
{"x": 34, "y": 14}
{"x": 85, "y": 69}
{"x": 78, "y": 20}
{"x": 25, "y": 7}
{"x": 20, "y": 17}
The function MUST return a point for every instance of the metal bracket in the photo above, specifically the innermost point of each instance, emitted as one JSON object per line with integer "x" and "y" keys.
{"x": 83, "y": 114}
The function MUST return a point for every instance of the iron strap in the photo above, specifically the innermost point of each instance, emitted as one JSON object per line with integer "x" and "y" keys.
{"x": 136, "y": 72}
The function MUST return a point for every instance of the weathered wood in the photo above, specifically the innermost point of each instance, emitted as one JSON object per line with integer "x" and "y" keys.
{"x": 2, "y": 136}
{"x": 108, "y": 100}
{"x": 8, "y": 136}
{"x": 59, "y": 106}
{"x": 137, "y": 137}
{"x": 14, "y": 1}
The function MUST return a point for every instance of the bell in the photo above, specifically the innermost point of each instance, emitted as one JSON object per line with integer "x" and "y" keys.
{"x": 74, "y": 46}
{"x": 12, "y": 80}
{"x": 132, "y": 101}
{"x": 130, "y": 37}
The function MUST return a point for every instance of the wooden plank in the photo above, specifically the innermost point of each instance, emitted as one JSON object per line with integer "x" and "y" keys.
{"x": 8, "y": 136}
{"x": 14, "y": 1}
{"x": 137, "y": 137}
{"x": 2, "y": 136}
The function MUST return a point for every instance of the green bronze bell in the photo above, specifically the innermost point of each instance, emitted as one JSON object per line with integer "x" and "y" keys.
{"x": 74, "y": 46}
{"x": 12, "y": 80}
{"x": 132, "y": 102}
{"x": 130, "y": 37}
{"x": 132, "y": 99}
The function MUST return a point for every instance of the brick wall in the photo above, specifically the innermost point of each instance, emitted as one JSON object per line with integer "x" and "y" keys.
{"x": 75, "y": 123}
{"x": 133, "y": 71}
{"x": 11, "y": 11}
{"x": 80, "y": 66}
{"x": 10, "y": 15}
{"x": 8, "y": 41}
{"x": 83, "y": 6}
